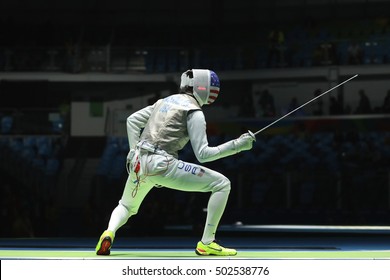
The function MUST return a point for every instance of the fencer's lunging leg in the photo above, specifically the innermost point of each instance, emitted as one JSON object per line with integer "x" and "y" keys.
{"x": 128, "y": 205}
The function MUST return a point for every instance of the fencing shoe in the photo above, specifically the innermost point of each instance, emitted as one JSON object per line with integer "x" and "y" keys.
{"x": 105, "y": 242}
{"x": 213, "y": 249}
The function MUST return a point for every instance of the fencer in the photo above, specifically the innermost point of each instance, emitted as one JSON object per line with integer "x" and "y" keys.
{"x": 156, "y": 134}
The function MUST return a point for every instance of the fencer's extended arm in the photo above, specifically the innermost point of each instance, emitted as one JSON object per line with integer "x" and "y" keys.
{"x": 196, "y": 126}
{"x": 135, "y": 123}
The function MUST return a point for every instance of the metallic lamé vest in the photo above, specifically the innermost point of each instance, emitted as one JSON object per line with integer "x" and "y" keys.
{"x": 167, "y": 126}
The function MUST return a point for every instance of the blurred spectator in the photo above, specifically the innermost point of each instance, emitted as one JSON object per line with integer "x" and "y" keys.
{"x": 72, "y": 60}
{"x": 276, "y": 48}
{"x": 355, "y": 53}
{"x": 328, "y": 53}
{"x": 364, "y": 106}
{"x": 318, "y": 105}
{"x": 266, "y": 104}
{"x": 386, "y": 103}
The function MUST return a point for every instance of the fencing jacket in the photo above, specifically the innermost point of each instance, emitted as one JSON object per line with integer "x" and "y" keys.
{"x": 170, "y": 123}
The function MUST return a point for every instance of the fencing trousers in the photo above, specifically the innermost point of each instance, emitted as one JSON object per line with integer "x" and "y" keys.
{"x": 161, "y": 169}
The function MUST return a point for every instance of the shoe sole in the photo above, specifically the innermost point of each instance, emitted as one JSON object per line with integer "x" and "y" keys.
{"x": 200, "y": 253}
{"x": 105, "y": 246}
{"x": 204, "y": 253}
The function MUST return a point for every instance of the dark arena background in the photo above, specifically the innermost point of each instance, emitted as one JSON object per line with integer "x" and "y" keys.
{"x": 315, "y": 185}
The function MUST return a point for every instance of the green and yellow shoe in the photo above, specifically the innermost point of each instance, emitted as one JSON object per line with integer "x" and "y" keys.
{"x": 213, "y": 249}
{"x": 105, "y": 242}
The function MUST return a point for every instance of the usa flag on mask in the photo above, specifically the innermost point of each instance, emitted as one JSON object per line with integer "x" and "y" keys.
{"x": 214, "y": 87}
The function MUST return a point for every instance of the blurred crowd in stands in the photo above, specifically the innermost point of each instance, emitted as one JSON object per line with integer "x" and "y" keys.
{"x": 262, "y": 105}
{"x": 55, "y": 47}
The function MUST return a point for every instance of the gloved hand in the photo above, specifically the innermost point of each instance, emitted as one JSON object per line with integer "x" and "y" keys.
{"x": 244, "y": 142}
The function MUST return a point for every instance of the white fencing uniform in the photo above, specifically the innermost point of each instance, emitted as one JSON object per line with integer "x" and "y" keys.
{"x": 167, "y": 126}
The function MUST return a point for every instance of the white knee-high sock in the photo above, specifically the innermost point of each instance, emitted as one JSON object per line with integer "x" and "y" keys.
{"x": 215, "y": 208}
{"x": 119, "y": 217}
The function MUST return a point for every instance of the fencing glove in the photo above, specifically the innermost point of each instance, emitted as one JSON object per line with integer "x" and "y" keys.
{"x": 244, "y": 142}
{"x": 232, "y": 147}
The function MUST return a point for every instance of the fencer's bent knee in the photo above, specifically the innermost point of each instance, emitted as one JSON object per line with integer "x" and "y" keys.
{"x": 222, "y": 184}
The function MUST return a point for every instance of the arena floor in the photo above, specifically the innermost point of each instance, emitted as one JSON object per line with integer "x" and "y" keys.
{"x": 252, "y": 242}
{"x": 270, "y": 252}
